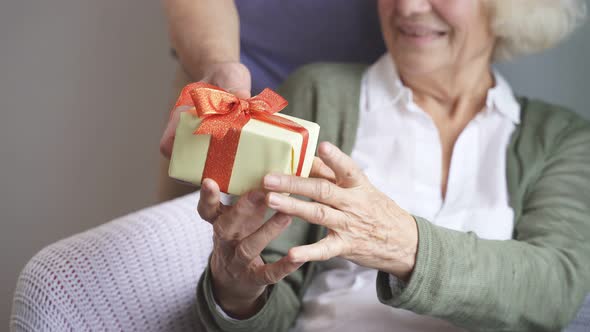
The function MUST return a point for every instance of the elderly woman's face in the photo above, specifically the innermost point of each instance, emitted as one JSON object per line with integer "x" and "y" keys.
{"x": 428, "y": 35}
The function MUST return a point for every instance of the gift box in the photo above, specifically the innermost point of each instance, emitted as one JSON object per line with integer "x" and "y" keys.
{"x": 236, "y": 142}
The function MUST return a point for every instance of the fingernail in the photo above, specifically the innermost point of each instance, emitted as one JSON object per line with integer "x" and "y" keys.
{"x": 274, "y": 200}
{"x": 256, "y": 197}
{"x": 271, "y": 181}
{"x": 284, "y": 220}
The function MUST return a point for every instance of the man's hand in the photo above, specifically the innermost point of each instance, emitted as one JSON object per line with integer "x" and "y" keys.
{"x": 231, "y": 76}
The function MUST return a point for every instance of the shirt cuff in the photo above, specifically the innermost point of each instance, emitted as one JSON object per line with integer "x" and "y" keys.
{"x": 222, "y": 313}
{"x": 228, "y": 317}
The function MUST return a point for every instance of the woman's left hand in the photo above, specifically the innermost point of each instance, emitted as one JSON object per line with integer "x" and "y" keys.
{"x": 364, "y": 225}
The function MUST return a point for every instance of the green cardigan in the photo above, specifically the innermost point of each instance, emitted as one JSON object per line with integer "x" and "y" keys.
{"x": 534, "y": 282}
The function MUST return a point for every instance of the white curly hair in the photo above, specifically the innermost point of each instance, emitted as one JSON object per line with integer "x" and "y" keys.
{"x": 529, "y": 26}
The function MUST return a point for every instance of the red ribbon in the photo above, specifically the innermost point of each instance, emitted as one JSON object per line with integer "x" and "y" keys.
{"x": 224, "y": 115}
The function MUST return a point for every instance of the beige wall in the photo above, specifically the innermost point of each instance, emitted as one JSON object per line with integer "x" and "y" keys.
{"x": 83, "y": 92}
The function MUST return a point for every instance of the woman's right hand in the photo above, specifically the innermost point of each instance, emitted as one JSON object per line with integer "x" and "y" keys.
{"x": 239, "y": 275}
{"x": 231, "y": 76}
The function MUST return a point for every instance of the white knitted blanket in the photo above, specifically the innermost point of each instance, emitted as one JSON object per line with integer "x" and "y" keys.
{"x": 136, "y": 273}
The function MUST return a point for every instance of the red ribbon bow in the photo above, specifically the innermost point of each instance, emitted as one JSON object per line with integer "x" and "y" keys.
{"x": 224, "y": 115}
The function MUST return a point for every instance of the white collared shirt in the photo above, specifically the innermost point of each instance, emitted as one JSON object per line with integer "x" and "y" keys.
{"x": 398, "y": 147}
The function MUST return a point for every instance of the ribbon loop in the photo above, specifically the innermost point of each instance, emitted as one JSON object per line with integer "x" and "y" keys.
{"x": 223, "y": 117}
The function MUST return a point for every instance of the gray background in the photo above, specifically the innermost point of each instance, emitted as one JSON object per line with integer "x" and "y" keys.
{"x": 84, "y": 89}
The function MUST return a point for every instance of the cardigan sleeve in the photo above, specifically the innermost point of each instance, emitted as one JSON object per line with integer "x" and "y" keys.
{"x": 535, "y": 282}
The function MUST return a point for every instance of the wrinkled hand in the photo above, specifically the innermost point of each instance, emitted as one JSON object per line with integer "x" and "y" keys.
{"x": 231, "y": 76}
{"x": 239, "y": 275}
{"x": 364, "y": 225}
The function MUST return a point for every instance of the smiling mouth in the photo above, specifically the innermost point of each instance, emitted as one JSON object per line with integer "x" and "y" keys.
{"x": 420, "y": 32}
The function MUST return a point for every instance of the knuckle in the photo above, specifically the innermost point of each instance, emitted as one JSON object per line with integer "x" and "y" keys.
{"x": 266, "y": 232}
{"x": 349, "y": 225}
{"x": 291, "y": 205}
{"x": 351, "y": 174}
{"x": 272, "y": 225}
{"x": 288, "y": 184}
{"x": 320, "y": 213}
{"x": 324, "y": 189}
{"x": 268, "y": 277}
{"x": 243, "y": 252}
{"x": 242, "y": 213}
{"x": 222, "y": 233}
{"x": 280, "y": 223}
{"x": 241, "y": 206}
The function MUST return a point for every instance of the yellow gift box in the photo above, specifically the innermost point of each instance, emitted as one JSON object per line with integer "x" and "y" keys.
{"x": 259, "y": 140}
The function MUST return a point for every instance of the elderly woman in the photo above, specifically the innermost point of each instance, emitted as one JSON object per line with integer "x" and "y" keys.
{"x": 460, "y": 204}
